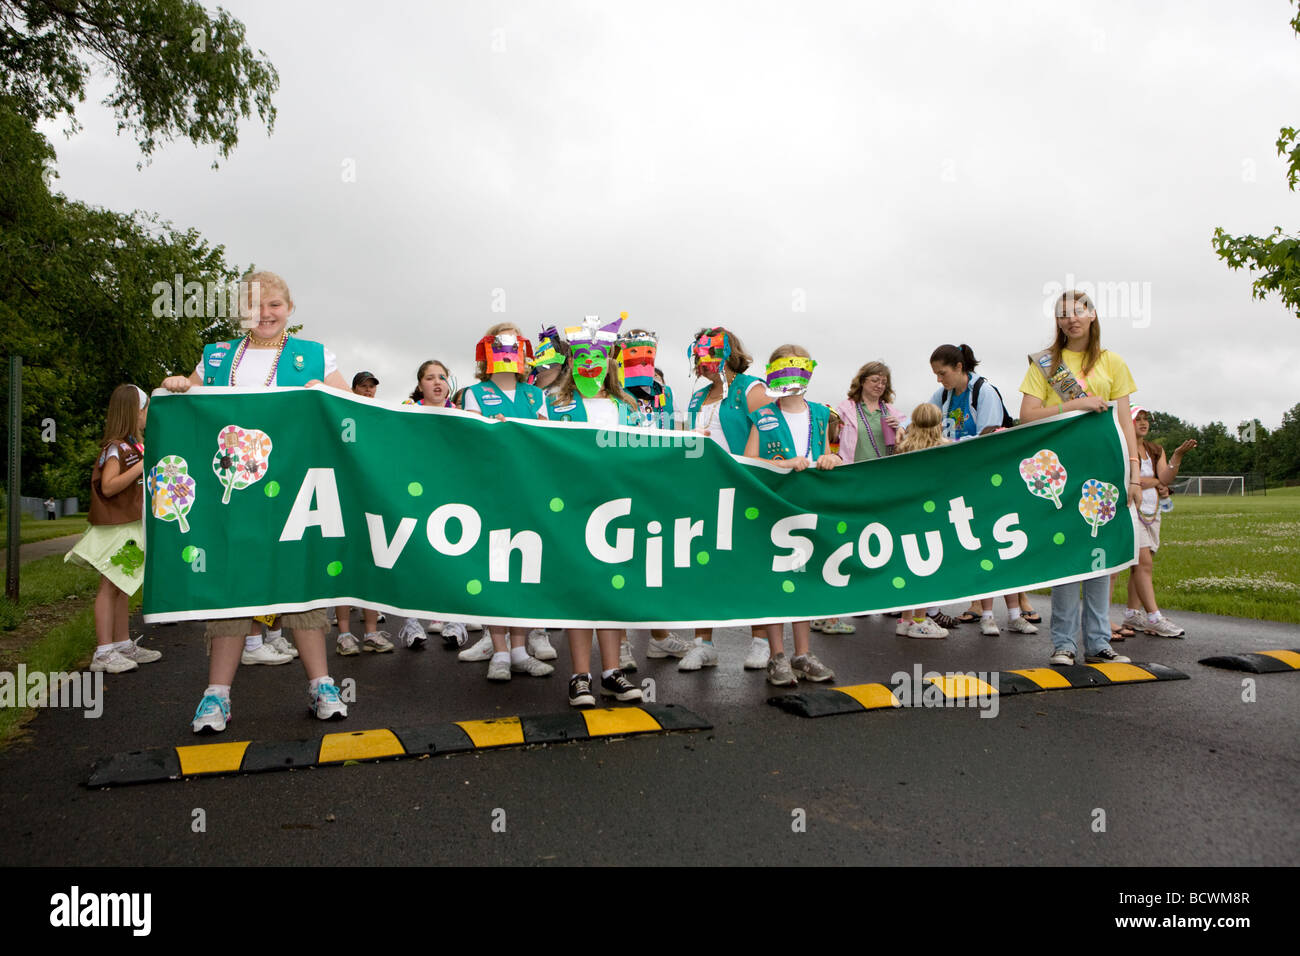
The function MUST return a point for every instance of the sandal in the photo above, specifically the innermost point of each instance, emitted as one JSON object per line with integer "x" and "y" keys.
{"x": 1033, "y": 617}
{"x": 1121, "y": 632}
{"x": 966, "y": 617}
{"x": 838, "y": 627}
{"x": 946, "y": 622}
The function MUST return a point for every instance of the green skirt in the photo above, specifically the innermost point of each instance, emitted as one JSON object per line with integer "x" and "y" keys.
{"x": 114, "y": 550}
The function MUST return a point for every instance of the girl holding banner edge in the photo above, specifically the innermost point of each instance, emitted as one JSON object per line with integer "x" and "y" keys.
{"x": 1076, "y": 374}
{"x": 265, "y": 356}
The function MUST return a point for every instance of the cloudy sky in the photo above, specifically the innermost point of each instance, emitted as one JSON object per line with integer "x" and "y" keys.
{"x": 869, "y": 180}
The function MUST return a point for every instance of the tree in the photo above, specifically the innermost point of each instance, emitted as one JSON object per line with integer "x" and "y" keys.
{"x": 1276, "y": 257}
{"x": 178, "y": 70}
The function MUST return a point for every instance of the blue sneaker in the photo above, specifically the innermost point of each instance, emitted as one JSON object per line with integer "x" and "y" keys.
{"x": 326, "y": 703}
{"x": 212, "y": 715}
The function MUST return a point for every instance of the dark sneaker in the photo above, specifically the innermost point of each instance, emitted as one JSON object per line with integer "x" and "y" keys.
{"x": 619, "y": 687}
{"x": 1106, "y": 656}
{"x": 580, "y": 691}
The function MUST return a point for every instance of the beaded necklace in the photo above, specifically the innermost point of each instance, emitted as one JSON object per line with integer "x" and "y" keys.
{"x": 243, "y": 347}
{"x": 866, "y": 426}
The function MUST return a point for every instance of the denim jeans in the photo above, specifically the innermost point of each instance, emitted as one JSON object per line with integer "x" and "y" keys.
{"x": 1095, "y": 611}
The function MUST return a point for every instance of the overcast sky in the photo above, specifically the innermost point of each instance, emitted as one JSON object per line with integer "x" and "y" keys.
{"x": 868, "y": 180}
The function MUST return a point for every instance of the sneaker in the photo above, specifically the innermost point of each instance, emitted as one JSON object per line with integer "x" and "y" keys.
{"x": 380, "y": 619}
{"x": 670, "y": 646}
{"x": 1106, "y": 656}
{"x": 926, "y": 629}
{"x": 481, "y": 651}
{"x": 904, "y": 624}
{"x": 626, "y": 662}
{"x": 377, "y": 642}
{"x": 326, "y": 703}
{"x": 810, "y": 668}
{"x": 455, "y": 635}
{"x": 1021, "y": 626}
{"x": 539, "y": 645}
{"x": 580, "y": 691}
{"x": 759, "y": 655}
{"x": 141, "y": 655}
{"x": 532, "y": 667}
{"x": 212, "y": 715}
{"x": 989, "y": 627}
{"x": 816, "y": 625}
{"x": 474, "y": 627}
{"x": 498, "y": 670}
{"x": 779, "y": 672}
{"x": 1062, "y": 656}
{"x": 412, "y": 635}
{"x": 346, "y": 645}
{"x": 265, "y": 654}
{"x": 282, "y": 645}
{"x": 838, "y": 627}
{"x": 1135, "y": 619}
{"x": 114, "y": 662}
{"x": 701, "y": 655}
{"x": 619, "y": 687}
{"x": 1162, "y": 628}
{"x": 944, "y": 621}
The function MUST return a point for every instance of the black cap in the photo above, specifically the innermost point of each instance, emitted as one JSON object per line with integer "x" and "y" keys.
{"x": 361, "y": 377}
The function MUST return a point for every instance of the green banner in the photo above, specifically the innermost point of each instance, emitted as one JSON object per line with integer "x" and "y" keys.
{"x": 287, "y": 499}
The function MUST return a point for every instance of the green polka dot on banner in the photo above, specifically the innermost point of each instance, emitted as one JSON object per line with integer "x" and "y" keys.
{"x": 996, "y": 481}
{"x": 474, "y": 587}
{"x": 272, "y": 489}
{"x": 557, "y": 504}
{"x": 986, "y": 564}
{"x": 702, "y": 557}
{"x": 415, "y": 489}
{"x": 787, "y": 587}
{"x": 842, "y": 527}
{"x": 751, "y": 513}
{"x": 899, "y": 583}
{"x": 187, "y": 553}
{"x": 618, "y": 582}
{"x": 928, "y": 506}
{"x": 1058, "y": 538}
{"x": 334, "y": 568}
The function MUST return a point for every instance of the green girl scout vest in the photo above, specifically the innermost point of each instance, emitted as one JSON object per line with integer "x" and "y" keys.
{"x": 300, "y": 363}
{"x": 575, "y": 410}
{"x": 775, "y": 440}
{"x": 528, "y": 402}
{"x": 734, "y": 413}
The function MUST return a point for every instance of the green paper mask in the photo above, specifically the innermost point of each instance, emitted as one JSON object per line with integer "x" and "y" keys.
{"x": 590, "y": 363}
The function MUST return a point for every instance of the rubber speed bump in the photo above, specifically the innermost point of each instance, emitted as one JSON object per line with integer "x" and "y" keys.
{"x": 964, "y": 688}
{"x": 244, "y": 756}
{"x": 1261, "y": 662}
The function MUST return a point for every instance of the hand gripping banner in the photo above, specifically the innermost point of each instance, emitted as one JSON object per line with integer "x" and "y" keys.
{"x": 316, "y": 497}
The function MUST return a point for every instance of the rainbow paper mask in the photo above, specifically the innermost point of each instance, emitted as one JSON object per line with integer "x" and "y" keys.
{"x": 591, "y": 344}
{"x": 710, "y": 352}
{"x": 506, "y": 352}
{"x": 636, "y": 360}
{"x": 547, "y": 353}
{"x": 789, "y": 375}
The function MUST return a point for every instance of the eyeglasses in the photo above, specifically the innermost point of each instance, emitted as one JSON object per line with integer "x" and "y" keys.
{"x": 876, "y": 380}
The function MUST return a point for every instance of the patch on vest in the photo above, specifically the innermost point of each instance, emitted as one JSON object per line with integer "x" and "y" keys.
{"x": 299, "y": 362}
{"x": 490, "y": 399}
{"x": 561, "y": 409}
{"x": 767, "y": 423}
{"x": 222, "y": 345}
{"x": 215, "y": 361}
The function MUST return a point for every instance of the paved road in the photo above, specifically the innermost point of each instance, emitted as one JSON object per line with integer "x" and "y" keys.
{"x": 1186, "y": 772}
{"x": 40, "y": 549}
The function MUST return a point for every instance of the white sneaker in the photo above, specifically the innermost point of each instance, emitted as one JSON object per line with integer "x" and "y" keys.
{"x": 1064, "y": 656}
{"x": 532, "y": 667}
{"x": 759, "y": 654}
{"x": 1021, "y": 626}
{"x": 926, "y": 629}
{"x": 212, "y": 714}
{"x": 626, "y": 662}
{"x": 112, "y": 663}
{"x": 539, "y": 645}
{"x": 498, "y": 670}
{"x": 265, "y": 654}
{"x": 412, "y": 635}
{"x": 282, "y": 645}
{"x": 481, "y": 651}
{"x": 1135, "y": 619}
{"x": 701, "y": 655}
{"x": 346, "y": 646}
{"x": 454, "y": 634}
{"x": 904, "y": 625}
{"x": 326, "y": 703}
{"x": 1162, "y": 628}
{"x": 989, "y": 627}
{"x": 141, "y": 655}
{"x": 670, "y": 646}
{"x": 377, "y": 642}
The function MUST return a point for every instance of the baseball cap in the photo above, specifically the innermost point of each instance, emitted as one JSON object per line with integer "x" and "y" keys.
{"x": 361, "y": 377}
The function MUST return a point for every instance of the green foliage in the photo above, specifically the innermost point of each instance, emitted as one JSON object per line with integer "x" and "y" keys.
{"x": 1247, "y": 447}
{"x": 178, "y": 70}
{"x": 1276, "y": 257}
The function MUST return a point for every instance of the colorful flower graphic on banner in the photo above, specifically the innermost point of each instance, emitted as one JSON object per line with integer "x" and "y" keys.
{"x": 1044, "y": 475}
{"x": 171, "y": 490}
{"x": 1097, "y": 504}
{"x": 241, "y": 458}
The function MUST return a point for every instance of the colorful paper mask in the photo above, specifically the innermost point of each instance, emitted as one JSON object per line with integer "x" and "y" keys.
{"x": 547, "y": 353}
{"x": 591, "y": 343}
{"x": 636, "y": 359}
{"x": 710, "y": 352}
{"x": 789, "y": 375}
{"x": 505, "y": 352}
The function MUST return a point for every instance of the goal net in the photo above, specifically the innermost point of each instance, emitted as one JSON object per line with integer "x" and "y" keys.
{"x": 1210, "y": 485}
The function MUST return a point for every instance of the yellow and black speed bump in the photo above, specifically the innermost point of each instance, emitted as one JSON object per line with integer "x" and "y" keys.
{"x": 858, "y": 698}
{"x": 1261, "y": 662}
{"x": 244, "y": 756}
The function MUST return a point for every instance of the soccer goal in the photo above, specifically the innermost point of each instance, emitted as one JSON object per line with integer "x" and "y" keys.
{"x": 1210, "y": 485}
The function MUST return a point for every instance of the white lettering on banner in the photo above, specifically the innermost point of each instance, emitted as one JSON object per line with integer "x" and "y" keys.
{"x": 318, "y": 484}
{"x": 684, "y": 532}
{"x": 529, "y": 546}
{"x": 801, "y": 548}
{"x": 598, "y": 543}
{"x": 726, "y": 503}
{"x": 385, "y": 552}
{"x": 959, "y": 514}
{"x": 470, "y": 528}
{"x": 923, "y": 567}
{"x": 831, "y": 572}
{"x": 1006, "y": 532}
{"x": 880, "y": 533}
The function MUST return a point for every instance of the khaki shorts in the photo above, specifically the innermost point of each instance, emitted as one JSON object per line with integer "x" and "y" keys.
{"x": 1148, "y": 535}
{"x": 243, "y": 626}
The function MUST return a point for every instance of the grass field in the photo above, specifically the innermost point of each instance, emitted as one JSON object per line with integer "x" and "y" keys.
{"x": 1230, "y": 555}
{"x": 40, "y": 529}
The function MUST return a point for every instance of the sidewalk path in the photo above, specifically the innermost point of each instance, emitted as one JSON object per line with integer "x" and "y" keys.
{"x": 41, "y": 549}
